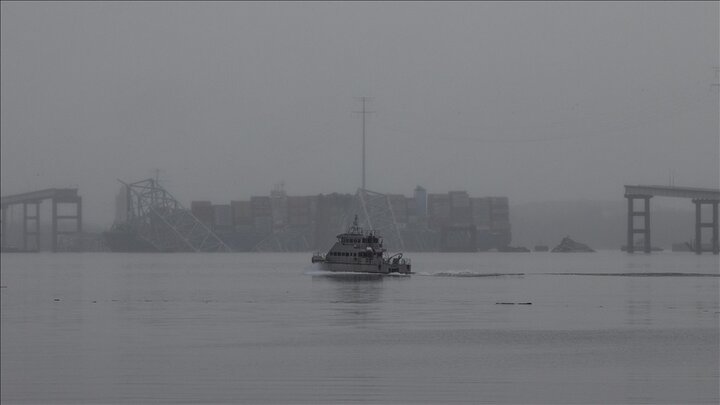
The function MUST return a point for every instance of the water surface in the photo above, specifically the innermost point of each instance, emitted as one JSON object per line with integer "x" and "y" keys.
{"x": 605, "y": 327}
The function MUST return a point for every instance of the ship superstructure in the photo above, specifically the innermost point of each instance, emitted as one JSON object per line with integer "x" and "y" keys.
{"x": 361, "y": 251}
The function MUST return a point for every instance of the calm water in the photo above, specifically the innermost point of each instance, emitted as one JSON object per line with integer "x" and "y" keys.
{"x": 602, "y": 327}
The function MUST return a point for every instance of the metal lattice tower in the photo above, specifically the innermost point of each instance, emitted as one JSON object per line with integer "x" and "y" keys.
{"x": 155, "y": 216}
{"x": 376, "y": 213}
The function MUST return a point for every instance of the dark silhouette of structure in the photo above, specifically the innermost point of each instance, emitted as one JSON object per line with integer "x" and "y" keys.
{"x": 31, "y": 217}
{"x": 699, "y": 196}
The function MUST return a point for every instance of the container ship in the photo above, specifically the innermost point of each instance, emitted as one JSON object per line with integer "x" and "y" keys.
{"x": 446, "y": 222}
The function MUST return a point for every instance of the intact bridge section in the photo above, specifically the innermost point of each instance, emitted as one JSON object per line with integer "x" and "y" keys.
{"x": 31, "y": 216}
{"x": 699, "y": 197}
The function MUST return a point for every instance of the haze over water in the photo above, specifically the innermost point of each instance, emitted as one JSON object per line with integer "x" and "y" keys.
{"x": 536, "y": 101}
{"x": 603, "y": 327}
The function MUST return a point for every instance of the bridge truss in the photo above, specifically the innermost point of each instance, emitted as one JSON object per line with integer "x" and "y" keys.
{"x": 156, "y": 217}
{"x": 376, "y": 213}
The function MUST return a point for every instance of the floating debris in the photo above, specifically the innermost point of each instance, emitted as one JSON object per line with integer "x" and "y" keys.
{"x": 568, "y": 245}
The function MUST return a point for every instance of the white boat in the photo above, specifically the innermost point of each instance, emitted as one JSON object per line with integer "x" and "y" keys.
{"x": 358, "y": 251}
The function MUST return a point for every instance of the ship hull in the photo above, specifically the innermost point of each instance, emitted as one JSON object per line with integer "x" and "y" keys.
{"x": 371, "y": 268}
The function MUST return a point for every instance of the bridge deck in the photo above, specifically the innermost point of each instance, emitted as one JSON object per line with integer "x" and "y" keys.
{"x": 59, "y": 194}
{"x": 671, "y": 191}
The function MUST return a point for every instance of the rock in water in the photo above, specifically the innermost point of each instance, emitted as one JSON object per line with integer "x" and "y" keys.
{"x": 569, "y": 245}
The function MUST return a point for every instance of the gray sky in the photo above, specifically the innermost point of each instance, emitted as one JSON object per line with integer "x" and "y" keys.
{"x": 536, "y": 101}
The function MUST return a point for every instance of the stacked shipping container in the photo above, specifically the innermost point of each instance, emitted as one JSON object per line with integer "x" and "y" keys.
{"x": 455, "y": 216}
{"x": 203, "y": 211}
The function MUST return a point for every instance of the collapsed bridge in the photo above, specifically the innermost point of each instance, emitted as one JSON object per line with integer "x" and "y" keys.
{"x": 151, "y": 219}
{"x": 699, "y": 197}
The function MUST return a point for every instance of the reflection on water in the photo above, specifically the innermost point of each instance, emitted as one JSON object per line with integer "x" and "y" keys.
{"x": 259, "y": 328}
{"x": 639, "y": 312}
{"x": 357, "y": 289}
{"x": 355, "y": 297}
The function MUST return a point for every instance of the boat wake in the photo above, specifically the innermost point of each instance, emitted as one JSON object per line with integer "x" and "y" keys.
{"x": 469, "y": 274}
{"x": 637, "y": 274}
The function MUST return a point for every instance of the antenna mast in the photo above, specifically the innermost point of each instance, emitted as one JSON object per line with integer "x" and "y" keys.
{"x": 364, "y": 112}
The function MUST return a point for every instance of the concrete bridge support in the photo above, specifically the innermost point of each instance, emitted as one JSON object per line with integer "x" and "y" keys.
{"x": 699, "y": 225}
{"x": 699, "y": 196}
{"x": 31, "y": 217}
{"x": 33, "y": 232}
{"x": 3, "y": 228}
{"x": 631, "y": 230}
{"x": 77, "y": 218}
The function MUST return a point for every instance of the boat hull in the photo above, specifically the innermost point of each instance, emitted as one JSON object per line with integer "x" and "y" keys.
{"x": 371, "y": 268}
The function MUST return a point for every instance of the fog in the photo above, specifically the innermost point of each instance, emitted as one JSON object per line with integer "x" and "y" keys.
{"x": 535, "y": 101}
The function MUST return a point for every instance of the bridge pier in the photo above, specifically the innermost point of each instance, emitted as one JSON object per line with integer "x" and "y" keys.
{"x": 3, "y": 229}
{"x": 716, "y": 241}
{"x": 77, "y": 200}
{"x": 27, "y": 232}
{"x": 631, "y": 230}
{"x": 699, "y": 196}
{"x": 35, "y": 198}
{"x": 699, "y": 225}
